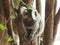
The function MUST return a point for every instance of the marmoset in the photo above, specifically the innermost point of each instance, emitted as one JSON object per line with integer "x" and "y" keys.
{"x": 33, "y": 22}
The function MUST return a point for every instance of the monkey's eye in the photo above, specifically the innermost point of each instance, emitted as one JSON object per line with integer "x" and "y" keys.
{"x": 35, "y": 14}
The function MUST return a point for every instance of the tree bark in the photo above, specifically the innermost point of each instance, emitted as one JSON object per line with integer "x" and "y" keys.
{"x": 56, "y": 21}
{"x": 2, "y": 21}
{"x": 38, "y": 6}
{"x": 3, "y": 15}
{"x": 55, "y": 5}
{"x": 29, "y": 1}
{"x": 6, "y": 8}
{"x": 49, "y": 22}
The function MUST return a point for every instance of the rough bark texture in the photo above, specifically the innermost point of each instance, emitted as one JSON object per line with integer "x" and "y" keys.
{"x": 28, "y": 1}
{"x": 49, "y": 18}
{"x": 3, "y": 12}
{"x": 55, "y": 7}
{"x": 7, "y": 8}
{"x": 1, "y": 21}
{"x": 56, "y": 21}
{"x": 38, "y": 6}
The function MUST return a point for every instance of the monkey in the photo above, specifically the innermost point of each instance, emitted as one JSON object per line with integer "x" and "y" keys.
{"x": 33, "y": 22}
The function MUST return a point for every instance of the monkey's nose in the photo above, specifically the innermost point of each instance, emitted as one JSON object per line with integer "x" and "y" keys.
{"x": 25, "y": 16}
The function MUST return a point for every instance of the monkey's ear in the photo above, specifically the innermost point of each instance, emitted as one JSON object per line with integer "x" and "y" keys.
{"x": 35, "y": 14}
{"x": 22, "y": 9}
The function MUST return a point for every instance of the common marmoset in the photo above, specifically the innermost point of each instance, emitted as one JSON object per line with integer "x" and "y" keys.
{"x": 32, "y": 21}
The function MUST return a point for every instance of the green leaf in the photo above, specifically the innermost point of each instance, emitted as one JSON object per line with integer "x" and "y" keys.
{"x": 10, "y": 39}
{"x": 2, "y": 27}
{"x": 16, "y": 3}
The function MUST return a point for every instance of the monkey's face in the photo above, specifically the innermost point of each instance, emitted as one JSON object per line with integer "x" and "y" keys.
{"x": 27, "y": 17}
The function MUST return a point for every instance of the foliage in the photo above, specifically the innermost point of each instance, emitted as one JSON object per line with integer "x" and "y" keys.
{"x": 10, "y": 39}
{"x": 16, "y": 3}
{"x": 2, "y": 27}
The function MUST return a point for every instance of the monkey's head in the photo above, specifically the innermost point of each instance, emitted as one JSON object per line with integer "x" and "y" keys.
{"x": 29, "y": 16}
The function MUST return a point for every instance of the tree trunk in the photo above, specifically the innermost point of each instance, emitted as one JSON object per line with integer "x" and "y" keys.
{"x": 56, "y": 21}
{"x": 3, "y": 14}
{"x": 2, "y": 20}
{"x": 38, "y": 6}
{"x": 49, "y": 22}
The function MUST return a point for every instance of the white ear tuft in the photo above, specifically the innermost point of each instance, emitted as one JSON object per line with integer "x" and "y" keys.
{"x": 22, "y": 9}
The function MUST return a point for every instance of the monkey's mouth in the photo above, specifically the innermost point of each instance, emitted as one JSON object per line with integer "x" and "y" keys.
{"x": 29, "y": 23}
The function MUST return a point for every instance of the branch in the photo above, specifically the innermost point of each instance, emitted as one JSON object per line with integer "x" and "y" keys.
{"x": 49, "y": 22}
{"x": 6, "y": 4}
{"x": 56, "y": 21}
{"x": 38, "y": 6}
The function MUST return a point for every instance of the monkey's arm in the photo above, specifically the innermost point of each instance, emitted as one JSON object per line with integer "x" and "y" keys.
{"x": 40, "y": 30}
{"x": 41, "y": 25}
